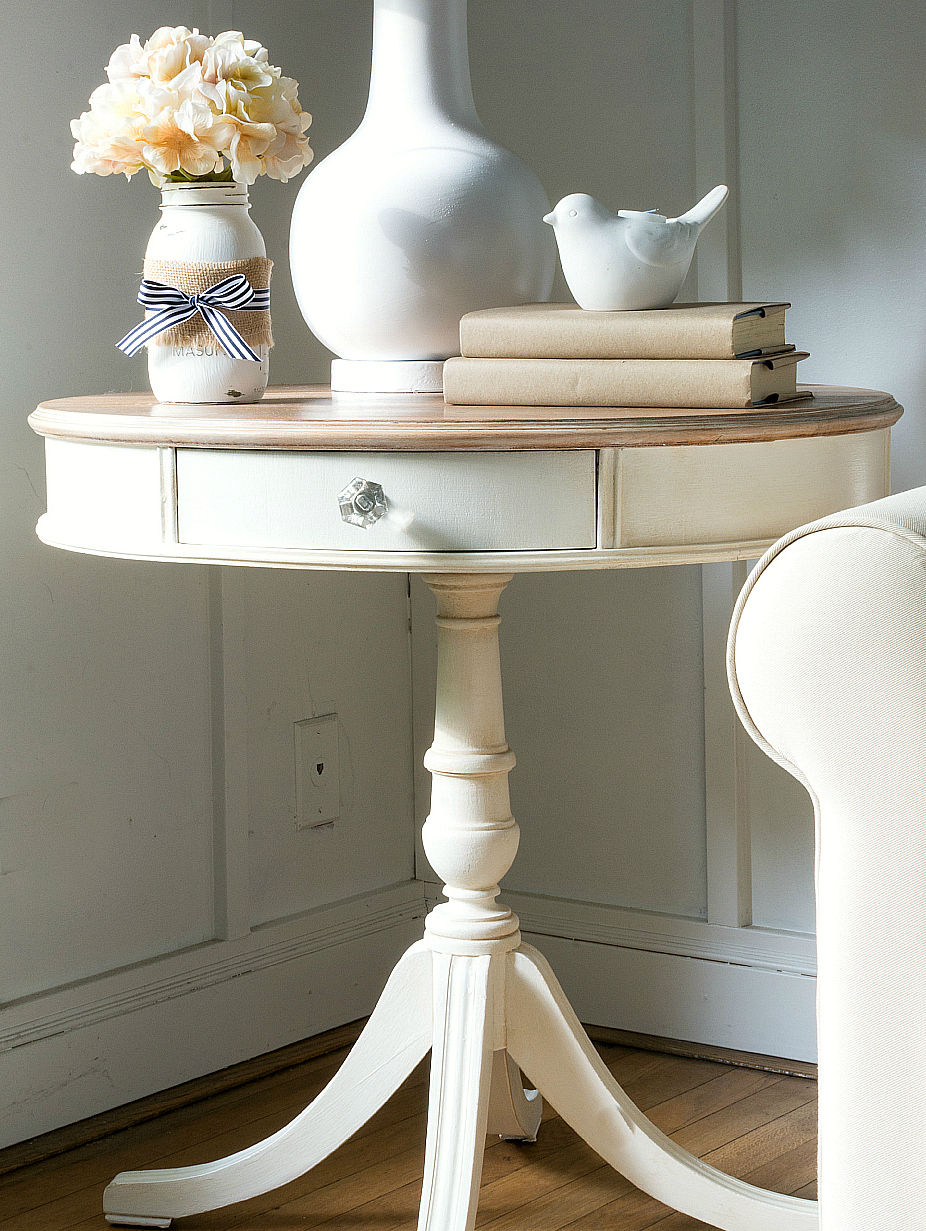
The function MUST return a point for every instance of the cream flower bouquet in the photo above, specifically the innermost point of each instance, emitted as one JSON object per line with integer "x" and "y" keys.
{"x": 187, "y": 107}
{"x": 204, "y": 117}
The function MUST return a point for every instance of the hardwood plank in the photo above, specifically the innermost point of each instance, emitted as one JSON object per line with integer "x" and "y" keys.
{"x": 504, "y": 1159}
{"x": 710, "y": 1105}
{"x": 720, "y": 1128}
{"x": 709, "y": 1097}
{"x": 311, "y": 1204}
{"x": 396, "y": 1211}
{"x": 399, "y": 1208}
{"x": 781, "y": 1169}
{"x": 767, "y": 1141}
{"x": 779, "y": 1164}
{"x": 361, "y": 1153}
{"x": 631, "y": 1211}
{"x": 679, "y": 1222}
{"x": 375, "y": 1160}
{"x": 199, "y": 1141}
{"x": 512, "y": 1191}
{"x": 626, "y": 1065}
{"x": 674, "y": 1076}
{"x": 312, "y": 1200}
{"x": 352, "y": 1177}
{"x": 563, "y": 1204}
{"x": 790, "y": 1171}
{"x": 808, "y": 1190}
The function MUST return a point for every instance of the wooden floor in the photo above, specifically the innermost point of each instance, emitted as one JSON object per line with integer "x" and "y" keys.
{"x": 757, "y": 1125}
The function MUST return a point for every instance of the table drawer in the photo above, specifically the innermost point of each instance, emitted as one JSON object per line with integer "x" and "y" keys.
{"x": 753, "y": 491}
{"x": 436, "y": 501}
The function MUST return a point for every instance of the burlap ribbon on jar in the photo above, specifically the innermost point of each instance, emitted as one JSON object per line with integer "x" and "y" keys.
{"x": 195, "y": 278}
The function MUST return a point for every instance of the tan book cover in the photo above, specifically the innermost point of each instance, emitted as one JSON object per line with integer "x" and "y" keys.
{"x": 693, "y": 384}
{"x": 565, "y": 331}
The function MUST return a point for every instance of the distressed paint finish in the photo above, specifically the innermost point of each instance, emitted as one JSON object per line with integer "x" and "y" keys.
{"x": 471, "y": 990}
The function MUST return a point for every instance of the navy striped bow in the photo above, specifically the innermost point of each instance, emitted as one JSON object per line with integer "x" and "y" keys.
{"x": 234, "y": 294}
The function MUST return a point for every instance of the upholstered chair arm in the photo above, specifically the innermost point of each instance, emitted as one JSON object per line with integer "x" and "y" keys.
{"x": 827, "y": 665}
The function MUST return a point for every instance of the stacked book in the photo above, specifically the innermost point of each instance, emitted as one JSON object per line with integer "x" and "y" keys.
{"x": 705, "y": 356}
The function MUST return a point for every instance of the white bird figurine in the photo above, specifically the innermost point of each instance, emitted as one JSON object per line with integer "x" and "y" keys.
{"x": 630, "y": 261}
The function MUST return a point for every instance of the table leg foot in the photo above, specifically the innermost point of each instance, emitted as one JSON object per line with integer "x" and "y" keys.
{"x": 545, "y": 1038}
{"x": 394, "y": 1040}
{"x": 514, "y": 1113}
{"x": 137, "y": 1220}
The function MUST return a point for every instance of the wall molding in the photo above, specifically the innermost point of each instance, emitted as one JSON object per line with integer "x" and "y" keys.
{"x": 726, "y": 782}
{"x": 749, "y": 1008}
{"x": 746, "y": 988}
{"x": 76, "y": 1051}
{"x": 131, "y": 989}
{"x": 792, "y": 953}
{"x": 716, "y": 144}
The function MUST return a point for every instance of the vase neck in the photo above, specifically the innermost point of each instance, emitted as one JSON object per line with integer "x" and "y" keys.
{"x": 420, "y": 68}
{"x": 204, "y": 194}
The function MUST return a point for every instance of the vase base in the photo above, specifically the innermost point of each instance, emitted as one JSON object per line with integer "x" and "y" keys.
{"x": 387, "y": 376}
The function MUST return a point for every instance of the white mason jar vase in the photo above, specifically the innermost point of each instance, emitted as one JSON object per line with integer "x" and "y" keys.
{"x": 204, "y": 225}
{"x": 419, "y": 217}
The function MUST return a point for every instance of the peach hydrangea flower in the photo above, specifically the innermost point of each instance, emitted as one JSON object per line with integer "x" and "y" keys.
{"x": 190, "y": 139}
{"x": 184, "y": 106}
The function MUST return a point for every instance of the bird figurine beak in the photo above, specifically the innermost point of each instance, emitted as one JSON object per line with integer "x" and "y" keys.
{"x": 549, "y": 218}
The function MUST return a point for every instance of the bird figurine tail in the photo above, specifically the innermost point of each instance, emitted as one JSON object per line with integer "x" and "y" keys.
{"x": 707, "y": 207}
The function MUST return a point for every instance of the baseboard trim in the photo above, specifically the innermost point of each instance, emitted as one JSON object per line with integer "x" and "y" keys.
{"x": 655, "y": 977}
{"x": 131, "y": 989}
{"x": 94, "y": 1128}
{"x": 78, "y": 1051}
{"x": 703, "y": 1051}
{"x": 648, "y": 932}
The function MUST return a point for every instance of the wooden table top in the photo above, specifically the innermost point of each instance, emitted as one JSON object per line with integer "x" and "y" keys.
{"x": 311, "y": 417}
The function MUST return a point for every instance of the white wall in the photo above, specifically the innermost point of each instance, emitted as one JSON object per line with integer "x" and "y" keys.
{"x": 814, "y": 115}
{"x": 832, "y": 150}
{"x": 625, "y": 787}
{"x": 154, "y": 925}
{"x": 599, "y": 101}
{"x": 833, "y": 157}
{"x": 146, "y": 712}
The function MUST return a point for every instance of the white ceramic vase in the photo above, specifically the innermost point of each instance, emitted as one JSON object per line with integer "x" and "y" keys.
{"x": 418, "y": 217}
{"x": 205, "y": 224}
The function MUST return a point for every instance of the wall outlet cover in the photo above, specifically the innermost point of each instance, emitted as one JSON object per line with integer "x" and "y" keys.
{"x": 318, "y": 783}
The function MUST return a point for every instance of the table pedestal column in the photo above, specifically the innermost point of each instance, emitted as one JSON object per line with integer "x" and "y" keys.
{"x": 485, "y": 1003}
{"x": 471, "y": 839}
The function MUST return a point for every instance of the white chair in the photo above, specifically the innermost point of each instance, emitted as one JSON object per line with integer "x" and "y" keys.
{"x": 827, "y": 665}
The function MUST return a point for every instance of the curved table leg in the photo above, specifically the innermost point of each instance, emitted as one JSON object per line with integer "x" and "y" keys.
{"x": 394, "y": 1040}
{"x": 461, "y": 1074}
{"x": 484, "y": 1004}
{"x": 546, "y": 1039}
{"x": 514, "y": 1113}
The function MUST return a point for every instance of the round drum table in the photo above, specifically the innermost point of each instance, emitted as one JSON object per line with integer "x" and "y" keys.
{"x": 466, "y": 496}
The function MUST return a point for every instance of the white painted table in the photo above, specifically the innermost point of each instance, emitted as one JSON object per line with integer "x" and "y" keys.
{"x": 471, "y": 496}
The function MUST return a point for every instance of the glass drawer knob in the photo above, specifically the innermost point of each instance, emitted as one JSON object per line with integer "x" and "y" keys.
{"x": 362, "y": 503}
